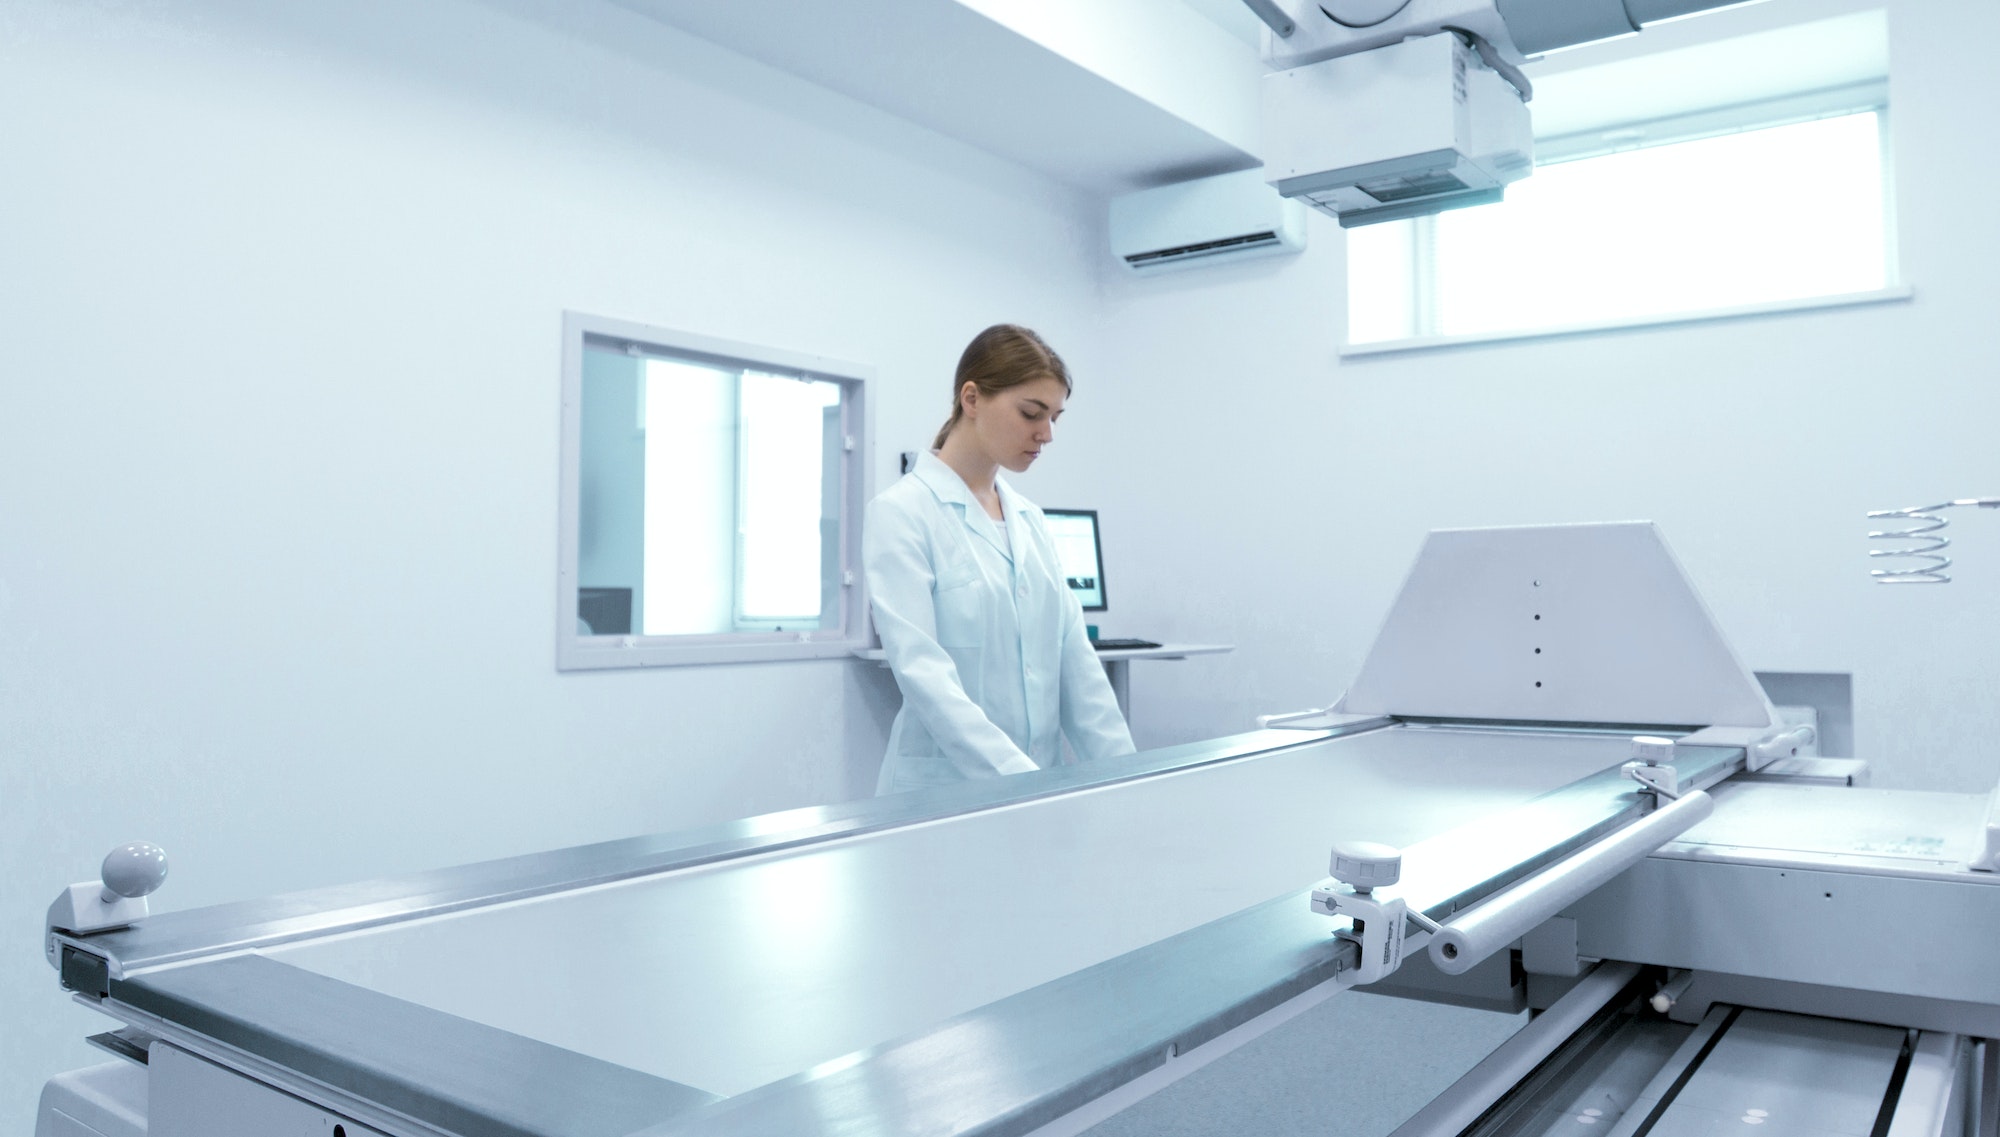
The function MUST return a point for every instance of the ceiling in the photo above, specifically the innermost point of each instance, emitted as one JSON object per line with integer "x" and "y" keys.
{"x": 1232, "y": 16}
{"x": 1105, "y": 95}
{"x": 1111, "y": 96}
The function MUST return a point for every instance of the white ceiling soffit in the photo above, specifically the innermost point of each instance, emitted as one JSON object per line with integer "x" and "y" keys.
{"x": 1234, "y": 17}
{"x": 1106, "y": 95}
{"x": 1598, "y": 86}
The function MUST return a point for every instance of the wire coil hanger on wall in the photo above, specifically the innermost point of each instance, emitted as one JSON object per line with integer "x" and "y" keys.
{"x": 1920, "y": 541}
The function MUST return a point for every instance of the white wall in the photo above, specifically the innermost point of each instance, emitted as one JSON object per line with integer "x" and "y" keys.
{"x": 280, "y": 296}
{"x": 1261, "y": 490}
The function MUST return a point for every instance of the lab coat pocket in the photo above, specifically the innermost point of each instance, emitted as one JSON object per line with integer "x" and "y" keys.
{"x": 961, "y": 612}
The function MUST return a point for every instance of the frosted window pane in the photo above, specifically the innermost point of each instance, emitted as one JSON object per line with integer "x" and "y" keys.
{"x": 783, "y": 462}
{"x": 1379, "y": 284}
{"x": 1757, "y": 217}
{"x": 1742, "y": 219}
{"x": 690, "y": 417}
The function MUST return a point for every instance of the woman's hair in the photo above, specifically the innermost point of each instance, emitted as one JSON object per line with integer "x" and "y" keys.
{"x": 1002, "y": 356}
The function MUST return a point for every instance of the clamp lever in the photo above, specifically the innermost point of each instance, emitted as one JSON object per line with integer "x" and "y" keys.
{"x": 1651, "y": 766}
{"x": 1375, "y": 923}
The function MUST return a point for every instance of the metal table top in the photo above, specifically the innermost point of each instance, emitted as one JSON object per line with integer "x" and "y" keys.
{"x": 728, "y": 976}
{"x": 1081, "y": 918}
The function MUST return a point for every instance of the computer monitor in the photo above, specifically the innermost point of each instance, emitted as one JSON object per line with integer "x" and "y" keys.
{"x": 1079, "y": 553}
{"x": 606, "y": 611}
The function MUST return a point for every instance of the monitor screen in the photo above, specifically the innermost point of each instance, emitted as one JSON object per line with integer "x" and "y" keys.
{"x": 606, "y": 611}
{"x": 1080, "y": 553}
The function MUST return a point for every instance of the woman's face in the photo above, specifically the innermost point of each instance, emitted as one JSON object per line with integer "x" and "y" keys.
{"x": 1013, "y": 426}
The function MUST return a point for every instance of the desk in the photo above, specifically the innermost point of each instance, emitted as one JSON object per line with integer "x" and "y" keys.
{"x": 1116, "y": 664}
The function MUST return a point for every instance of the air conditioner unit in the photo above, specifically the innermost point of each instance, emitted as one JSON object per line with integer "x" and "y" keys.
{"x": 1205, "y": 221}
{"x": 1397, "y": 131}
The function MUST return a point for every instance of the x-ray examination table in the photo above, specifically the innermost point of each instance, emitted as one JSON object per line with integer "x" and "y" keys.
{"x": 998, "y": 957}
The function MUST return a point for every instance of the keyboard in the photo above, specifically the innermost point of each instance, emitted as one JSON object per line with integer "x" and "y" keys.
{"x": 1121, "y": 645}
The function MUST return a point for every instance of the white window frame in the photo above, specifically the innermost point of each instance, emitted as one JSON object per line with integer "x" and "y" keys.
{"x": 579, "y": 652}
{"x": 1871, "y": 95}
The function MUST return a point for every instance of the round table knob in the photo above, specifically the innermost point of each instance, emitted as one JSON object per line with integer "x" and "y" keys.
{"x": 1367, "y": 864}
{"x": 134, "y": 870}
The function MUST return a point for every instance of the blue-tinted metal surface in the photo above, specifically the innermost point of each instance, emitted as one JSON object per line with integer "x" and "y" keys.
{"x": 1019, "y": 1063}
{"x": 1002, "y": 1067}
{"x": 770, "y": 965}
{"x": 175, "y": 937}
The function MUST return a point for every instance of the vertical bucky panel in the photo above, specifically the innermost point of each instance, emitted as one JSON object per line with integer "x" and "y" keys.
{"x": 1554, "y": 623}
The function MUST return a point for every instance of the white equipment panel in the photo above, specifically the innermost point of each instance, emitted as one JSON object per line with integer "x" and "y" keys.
{"x": 1555, "y": 623}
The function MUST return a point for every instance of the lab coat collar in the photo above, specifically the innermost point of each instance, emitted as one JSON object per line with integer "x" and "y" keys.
{"x": 951, "y": 489}
{"x": 943, "y": 481}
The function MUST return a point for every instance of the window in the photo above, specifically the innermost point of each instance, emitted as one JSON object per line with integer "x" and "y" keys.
{"x": 712, "y": 492}
{"x": 1773, "y": 203}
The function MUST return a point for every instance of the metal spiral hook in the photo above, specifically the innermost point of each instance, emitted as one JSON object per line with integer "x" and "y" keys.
{"x": 1919, "y": 542}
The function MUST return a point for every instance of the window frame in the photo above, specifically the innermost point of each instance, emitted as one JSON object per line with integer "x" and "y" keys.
{"x": 1860, "y": 97}
{"x": 578, "y": 652}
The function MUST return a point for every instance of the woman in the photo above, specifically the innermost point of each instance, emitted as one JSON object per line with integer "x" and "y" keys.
{"x": 983, "y": 634}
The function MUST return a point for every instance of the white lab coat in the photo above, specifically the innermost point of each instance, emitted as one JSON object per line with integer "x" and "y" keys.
{"x": 985, "y": 638}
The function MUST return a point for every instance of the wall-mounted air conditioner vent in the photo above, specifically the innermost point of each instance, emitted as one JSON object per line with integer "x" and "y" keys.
{"x": 1206, "y": 221}
{"x": 1244, "y": 243}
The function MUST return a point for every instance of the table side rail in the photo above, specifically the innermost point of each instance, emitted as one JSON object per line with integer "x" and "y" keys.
{"x": 1473, "y": 862}
{"x": 179, "y": 937}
